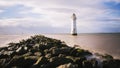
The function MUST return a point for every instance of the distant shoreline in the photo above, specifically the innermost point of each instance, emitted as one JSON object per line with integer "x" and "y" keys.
{"x": 57, "y": 33}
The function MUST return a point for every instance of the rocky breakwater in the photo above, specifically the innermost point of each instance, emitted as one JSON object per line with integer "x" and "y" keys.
{"x": 43, "y": 52}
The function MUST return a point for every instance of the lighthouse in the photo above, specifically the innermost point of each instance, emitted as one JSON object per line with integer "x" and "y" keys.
{"x": 73, "y": 27}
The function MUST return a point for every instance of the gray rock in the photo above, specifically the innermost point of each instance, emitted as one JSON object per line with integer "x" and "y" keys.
{"x": 87, "y": 64}
{"x": 42, "y": 60}
{"x": 69, "y": 65}
{"x": 21, "y": 50}
{"x": 22, "y": 61}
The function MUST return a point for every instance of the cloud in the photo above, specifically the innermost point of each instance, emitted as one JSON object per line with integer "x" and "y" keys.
{"x": 24, "y": 22}
{"x": 53, "y": 14}
{"x": 1, "y": 11}
{"x": 114, "y": 20}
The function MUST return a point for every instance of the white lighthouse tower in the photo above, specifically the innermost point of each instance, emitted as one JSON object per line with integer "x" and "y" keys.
{"x": 73, "y": 28}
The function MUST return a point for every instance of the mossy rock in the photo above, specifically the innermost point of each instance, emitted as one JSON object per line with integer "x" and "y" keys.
{"x": 23, "y": 62}
{"x": 111, "y": 63}
{"x": 107, "y": 57}
{"x": 56, "y": 61}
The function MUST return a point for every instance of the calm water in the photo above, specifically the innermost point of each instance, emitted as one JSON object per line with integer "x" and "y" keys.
{"x": 100, "y": 43}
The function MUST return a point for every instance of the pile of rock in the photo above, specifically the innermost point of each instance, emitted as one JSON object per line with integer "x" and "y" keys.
{"x": 42, "y": 52}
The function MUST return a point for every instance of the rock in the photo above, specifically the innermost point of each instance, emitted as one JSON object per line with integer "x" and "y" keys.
{"x": 111, "y": 63}
{"x": 6, "y": 54}
{"x": 21, "y": 61}
{"x": 69, "y": 65}
{"x": 79, "y": 61}
{"x": 56, "y": 61}
{"x": 70, "y": 57}
{"x": 61, "y": 55}
{"x": 4, "y": 49}
{"x": 56, "y": 51}
{"x": 36, "y": 47}
{"x": 48, "y": 56}
{"x": 73, "y": 52}
{"x": 65, "y": 50}
{"x": 107, "y": 57}
{"x": 38, "y": 54}
{"x": 94, "y": 63}
{"x": 42, "y": 47}
{"x": 87, "y": 64}
{"x": 21, "y": 50}
{"x": 81, "y": 52}
{"x": 46, "y": 51}
{"x": 42, "y": 60}
{"x": 2, "y": 62}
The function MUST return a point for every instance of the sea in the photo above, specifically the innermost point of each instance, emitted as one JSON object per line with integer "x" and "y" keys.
{"x": 103, "y": 43}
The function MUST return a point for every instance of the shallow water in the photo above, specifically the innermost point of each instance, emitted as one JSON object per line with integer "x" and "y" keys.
{"x": 100, "y": 43}
{"x": 5, "y": 39}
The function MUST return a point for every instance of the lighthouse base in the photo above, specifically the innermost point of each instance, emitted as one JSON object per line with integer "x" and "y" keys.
{"x": 74, "y": 34}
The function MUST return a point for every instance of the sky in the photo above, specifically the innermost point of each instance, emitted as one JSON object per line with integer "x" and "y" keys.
{"x": 55, "y": 16}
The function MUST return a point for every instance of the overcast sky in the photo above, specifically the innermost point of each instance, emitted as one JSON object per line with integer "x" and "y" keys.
{"x": 54, "y": 16}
